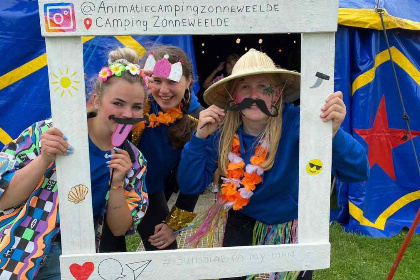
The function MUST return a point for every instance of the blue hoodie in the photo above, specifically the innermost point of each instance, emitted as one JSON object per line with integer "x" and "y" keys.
{"x": 275, "y": 199}
{"x": 157, "y": 149}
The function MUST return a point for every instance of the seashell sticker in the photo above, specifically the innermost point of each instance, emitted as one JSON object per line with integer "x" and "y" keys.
{"x": 78, "y": 193}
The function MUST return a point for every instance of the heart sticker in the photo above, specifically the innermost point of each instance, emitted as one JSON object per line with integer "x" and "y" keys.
{"x": 82, "y": 272}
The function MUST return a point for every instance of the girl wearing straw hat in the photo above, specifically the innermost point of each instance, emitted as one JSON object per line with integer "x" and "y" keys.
{"x": 254, "y": 142}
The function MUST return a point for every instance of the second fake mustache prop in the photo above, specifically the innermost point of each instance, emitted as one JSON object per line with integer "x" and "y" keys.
{"x": 121, "y": 132}
{"x": 247, "y": 103}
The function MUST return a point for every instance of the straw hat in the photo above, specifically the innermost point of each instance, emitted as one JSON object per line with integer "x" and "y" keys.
{"x": 252, "y": 63}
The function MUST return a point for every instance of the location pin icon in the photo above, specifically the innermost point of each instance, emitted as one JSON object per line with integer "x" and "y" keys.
{"x": 87, "y": 22}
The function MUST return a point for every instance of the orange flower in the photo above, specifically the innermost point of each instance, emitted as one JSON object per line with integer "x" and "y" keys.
{"x": 235, "y": 173}
{"x": 257, "y": 160}
{"x": 260, "y": 155}
{"x": 236, "y": 148}
{"x": 174, "y": 114}
{"x": 233, "y": 166}
{"x": 166, "y": 118}
{"x": 153, "y": 121}
{"x": 261, "y": 151}
{"x": 228, "y": 191}
{"x": 251, "y": 179}
{"x": 229, "y": 188}
{"x": 250, "y": 187}
{"x": 240, "y": 202}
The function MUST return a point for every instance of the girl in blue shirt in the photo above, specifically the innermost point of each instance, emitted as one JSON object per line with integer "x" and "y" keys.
{"x": 255, "y": 145}
{"x": 29, "y": 188}
{"x": 171, "y": 108}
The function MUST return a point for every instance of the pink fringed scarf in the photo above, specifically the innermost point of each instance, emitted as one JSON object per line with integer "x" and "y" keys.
{"x": 211, "y": 224}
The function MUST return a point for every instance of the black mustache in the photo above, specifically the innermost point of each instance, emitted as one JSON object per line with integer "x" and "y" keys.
{"x": 128, "y": 121}
{"x": 248, "y": 102}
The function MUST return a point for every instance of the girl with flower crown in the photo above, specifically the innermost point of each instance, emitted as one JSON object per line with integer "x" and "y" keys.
{"x": 171, "y": 108}
{"x": 255, "y": 144}
{"x": 29, "y": 220}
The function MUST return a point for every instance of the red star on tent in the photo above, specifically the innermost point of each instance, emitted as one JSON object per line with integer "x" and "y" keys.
{"x": 381, "y": 140}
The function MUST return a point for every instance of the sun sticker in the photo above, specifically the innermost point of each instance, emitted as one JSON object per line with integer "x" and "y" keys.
{"x": 65, "y": 82}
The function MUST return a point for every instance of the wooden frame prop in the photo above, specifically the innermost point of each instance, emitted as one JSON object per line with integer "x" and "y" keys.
{"x": 64, "y": 22}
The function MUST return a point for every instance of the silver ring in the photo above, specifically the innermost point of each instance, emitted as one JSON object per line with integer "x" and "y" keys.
{"x": 161, "y": 242}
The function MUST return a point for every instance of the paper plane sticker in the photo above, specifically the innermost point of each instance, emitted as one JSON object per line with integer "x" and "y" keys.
{"x": 138, "y": 267}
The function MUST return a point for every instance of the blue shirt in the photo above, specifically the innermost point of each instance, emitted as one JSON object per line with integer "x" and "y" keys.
{"x": 161, "y": 157}
{"x": 275, "y": 199}
{"x": 157, "y": 149}
{"x": 99, "y": 176}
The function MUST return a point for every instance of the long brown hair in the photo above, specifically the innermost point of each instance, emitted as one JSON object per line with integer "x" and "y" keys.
{"x": 181, "y": 131}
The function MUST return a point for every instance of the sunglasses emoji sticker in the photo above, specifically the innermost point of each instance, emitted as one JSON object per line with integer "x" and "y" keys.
{"x": 314, "y": 167}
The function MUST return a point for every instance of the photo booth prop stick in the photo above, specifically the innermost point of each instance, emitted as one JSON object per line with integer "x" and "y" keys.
{"x": 64, "y": 22}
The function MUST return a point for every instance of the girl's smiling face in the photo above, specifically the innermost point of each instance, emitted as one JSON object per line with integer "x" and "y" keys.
{"x": 121, "y": 99}
{"x": 167, "y": 93}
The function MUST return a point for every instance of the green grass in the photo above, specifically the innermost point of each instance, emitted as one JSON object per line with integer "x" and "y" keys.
{"x": 132, "y": 242}
{"x": 361, "y": 257}
{"x": 358, "y": 257}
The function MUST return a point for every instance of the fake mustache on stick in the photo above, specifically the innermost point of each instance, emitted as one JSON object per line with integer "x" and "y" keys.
{"x": 247, "y": 103}
{"x": 123, "y": 129}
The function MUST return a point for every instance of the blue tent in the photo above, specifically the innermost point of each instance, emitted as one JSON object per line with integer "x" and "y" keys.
{"x": 389, "y": 200}
{"x": 24, "y": 94}
{"x": 383, "y": 205}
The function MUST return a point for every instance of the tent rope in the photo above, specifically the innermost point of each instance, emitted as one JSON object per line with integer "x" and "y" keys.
{"x": 405, "y": 116}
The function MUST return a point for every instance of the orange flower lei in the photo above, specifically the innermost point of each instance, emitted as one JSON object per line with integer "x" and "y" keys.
{"x": 239, "y": 184}
{"x": 167, "y": 118}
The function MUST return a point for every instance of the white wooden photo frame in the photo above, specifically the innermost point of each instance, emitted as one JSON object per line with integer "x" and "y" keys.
{"x": 64, "y": 22}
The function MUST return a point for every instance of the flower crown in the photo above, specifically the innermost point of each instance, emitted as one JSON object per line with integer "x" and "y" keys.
{"x": 163, "y": 68}
{"x": 117, "y": 67}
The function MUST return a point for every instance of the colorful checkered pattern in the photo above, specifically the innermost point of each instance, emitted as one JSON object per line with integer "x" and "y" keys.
{"x": 26, "y": 231}
{"x": 28, "y": 234}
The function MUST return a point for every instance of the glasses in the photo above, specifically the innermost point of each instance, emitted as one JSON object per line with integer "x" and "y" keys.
{"x": 318, "y": 167}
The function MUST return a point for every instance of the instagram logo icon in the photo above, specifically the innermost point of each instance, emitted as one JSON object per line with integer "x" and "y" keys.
{"x": 59, "y": 17}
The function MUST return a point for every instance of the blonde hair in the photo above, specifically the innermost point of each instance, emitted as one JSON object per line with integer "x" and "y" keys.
{"x": 271, "y": 132}
{"x": 99, "y": 86}
{"x": 120, "y": 53}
